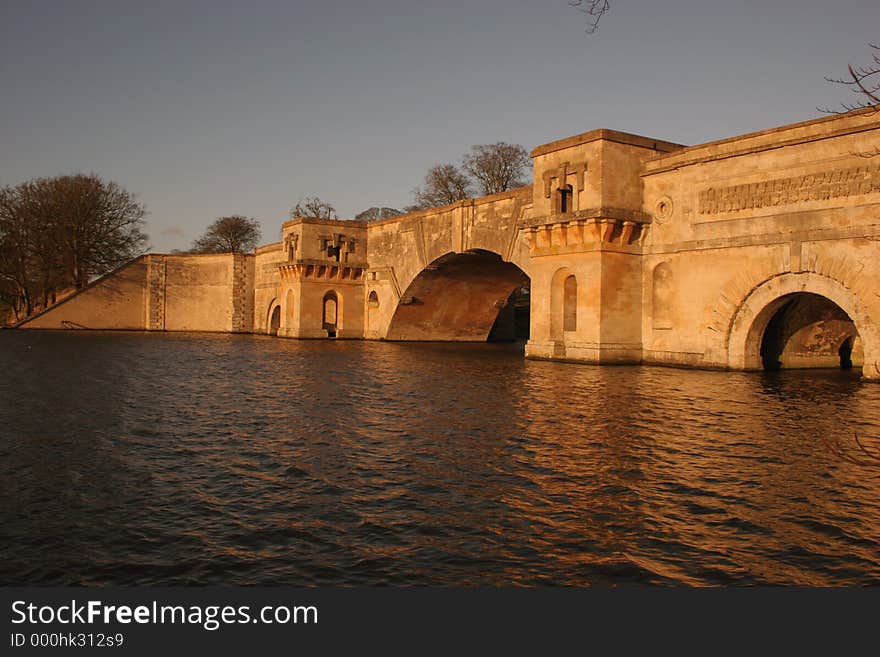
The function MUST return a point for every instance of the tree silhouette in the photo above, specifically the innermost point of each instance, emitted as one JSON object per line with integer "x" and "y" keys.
{"x": 497, "y": 167}
{"x": 444, "y": 184}
{"x": 313, "y": 207}
{"x": 61, "y": 233}
{"x": 232, "y": 234}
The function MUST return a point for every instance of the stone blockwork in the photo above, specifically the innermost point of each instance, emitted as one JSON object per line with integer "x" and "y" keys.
{"x": 748, "y": 224}
{"x": 757, "y": 251}
{"x": 156, "y": 293}
{"x": 162, "y": 293}
{"x": 242, "y": 294}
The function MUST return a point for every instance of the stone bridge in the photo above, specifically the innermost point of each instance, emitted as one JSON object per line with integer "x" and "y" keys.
{"x": 759, "y": 251}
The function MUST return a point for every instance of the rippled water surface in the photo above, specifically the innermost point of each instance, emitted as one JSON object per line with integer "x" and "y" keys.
{"x": 132, "y": 458}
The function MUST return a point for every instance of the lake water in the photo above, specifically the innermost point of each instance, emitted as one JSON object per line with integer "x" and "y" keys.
{"x": 165, "y": 459}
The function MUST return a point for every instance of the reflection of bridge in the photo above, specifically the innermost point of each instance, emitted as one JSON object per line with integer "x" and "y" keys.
{"x": 756, "y": 251}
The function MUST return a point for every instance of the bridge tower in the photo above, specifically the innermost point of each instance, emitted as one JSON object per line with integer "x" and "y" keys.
{"x": 585, "y": 238}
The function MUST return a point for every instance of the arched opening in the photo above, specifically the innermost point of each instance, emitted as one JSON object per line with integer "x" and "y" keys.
{"x": 473, "y": 296}
{"x": 374, "y": 316}
{"x": 745, "y": 341}
{"x": 805, "y": 330}
{"x": 330, "y": 315}
{"x": 275, "y": 321}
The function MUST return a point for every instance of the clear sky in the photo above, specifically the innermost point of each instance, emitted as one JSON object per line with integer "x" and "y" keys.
{"x": 205, "y": 109}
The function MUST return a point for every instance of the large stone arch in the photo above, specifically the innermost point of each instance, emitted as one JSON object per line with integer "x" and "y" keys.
{"x": 457, "y": 298}
{"x": 762, "y": 303}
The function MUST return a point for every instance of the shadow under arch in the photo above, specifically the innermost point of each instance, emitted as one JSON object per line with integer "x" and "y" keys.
{"x": 774, "y": 312}
{"x": 473, "y": 296}
{"x": 273, "y": 322}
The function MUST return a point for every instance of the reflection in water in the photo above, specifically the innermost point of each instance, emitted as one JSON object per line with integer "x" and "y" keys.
{"x": 219, "y": 459}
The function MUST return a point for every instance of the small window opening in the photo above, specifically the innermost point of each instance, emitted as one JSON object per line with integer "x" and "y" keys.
{"x": 566, "y": 198}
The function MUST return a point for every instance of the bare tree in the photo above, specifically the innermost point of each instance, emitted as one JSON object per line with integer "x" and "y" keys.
{"x": 313, "y": 207}
{"x": 98, "y": 225}
{"x": 864, "y": 81}
{"x": 62, "y": 232}
{"x": 19, "y": 248}
{"x": 497, "y": 167}
{"x": 376, "y": 213}
{"x": 444, "y": 184}
{"x": 232, "y": 234}
{"x": 595, "y": 9}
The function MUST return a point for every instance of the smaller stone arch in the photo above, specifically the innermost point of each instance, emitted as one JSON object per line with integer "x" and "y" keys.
{"x": 331, "y": 313}
{"x": 373, "y": 315}
{"x": 751, "y": 320}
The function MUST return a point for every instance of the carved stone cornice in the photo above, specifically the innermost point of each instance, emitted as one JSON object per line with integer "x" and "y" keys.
{"x": 322, "y": 270}
{"x": 587, "y": 230}
{"x": 617, "y": 214}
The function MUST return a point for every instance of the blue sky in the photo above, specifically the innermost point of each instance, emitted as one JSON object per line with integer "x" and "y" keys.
{"x": 205, "y": 109}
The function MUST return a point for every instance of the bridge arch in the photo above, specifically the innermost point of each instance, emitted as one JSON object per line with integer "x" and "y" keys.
{"x": 818, "y": 307}
{"x": 472, "y": 296}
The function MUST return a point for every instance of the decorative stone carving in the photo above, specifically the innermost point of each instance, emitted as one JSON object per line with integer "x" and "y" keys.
{"x": 821, "y": 186}
{"x": 562, "y": 172}
{"x": 663, "y": 209}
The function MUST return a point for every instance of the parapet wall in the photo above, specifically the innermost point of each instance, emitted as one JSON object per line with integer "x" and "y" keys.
{"x": 162, "y": 293}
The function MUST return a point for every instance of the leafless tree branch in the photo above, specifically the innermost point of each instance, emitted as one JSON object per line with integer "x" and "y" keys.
{"x": 313, "y": 207}
{"x": 595, "y": 9}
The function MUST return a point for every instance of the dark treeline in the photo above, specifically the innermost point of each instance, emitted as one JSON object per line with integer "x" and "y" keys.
{"x": 57, "y": 234}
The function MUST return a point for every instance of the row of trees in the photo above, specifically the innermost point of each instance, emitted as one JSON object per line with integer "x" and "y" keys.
{"x": 485, "y": 169}
{"x": 58, "y": 234}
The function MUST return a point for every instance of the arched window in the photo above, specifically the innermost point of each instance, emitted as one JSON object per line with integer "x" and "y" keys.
{"x": 569, "y": 304}
{"x": 373, "y": 300}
